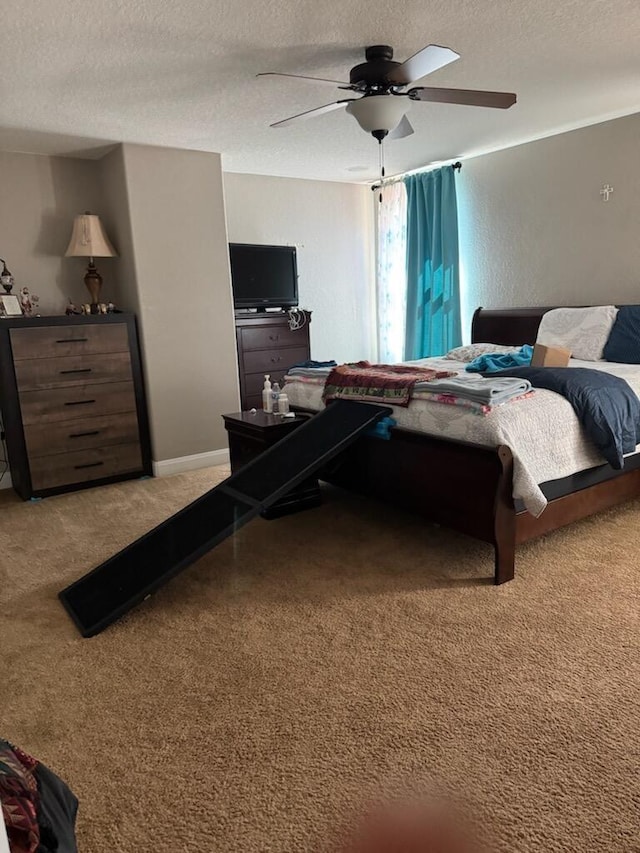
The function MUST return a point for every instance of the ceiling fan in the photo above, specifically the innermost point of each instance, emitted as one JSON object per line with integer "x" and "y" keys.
{"x": 382, "y": 85}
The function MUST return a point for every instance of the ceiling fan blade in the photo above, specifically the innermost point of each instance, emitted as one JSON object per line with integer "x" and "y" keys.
{"x": 303, "y": 77}
{"x": 402, "y": 130}
{"x": 327, "y": 108}
{"x": 424, "y": 62}
{"x": 469, "y": 97}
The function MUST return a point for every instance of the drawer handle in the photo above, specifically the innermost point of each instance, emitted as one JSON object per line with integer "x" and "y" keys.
{"x": 72, "y": 340}
{"x": 83, "y": 434}
{"x": 77, "y": 370}
{"x": 277, "y": 358}
{"x": 274, "y": 337}
{"x": 79, "y": 402}
{"x": 89, "y": 465}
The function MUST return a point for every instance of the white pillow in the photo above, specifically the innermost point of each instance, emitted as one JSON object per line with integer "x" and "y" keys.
{"x": 468, "y": 352}
{"x": 584, "y": 331}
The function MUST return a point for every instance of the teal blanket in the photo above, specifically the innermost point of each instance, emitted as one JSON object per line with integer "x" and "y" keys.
{"x": 492, "y": 362}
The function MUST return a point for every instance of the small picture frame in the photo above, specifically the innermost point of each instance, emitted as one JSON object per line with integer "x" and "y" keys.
{"x": 10, "y": 305}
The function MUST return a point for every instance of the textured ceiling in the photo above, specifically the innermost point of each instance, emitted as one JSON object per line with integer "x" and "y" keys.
{"x": 74, "y": 76}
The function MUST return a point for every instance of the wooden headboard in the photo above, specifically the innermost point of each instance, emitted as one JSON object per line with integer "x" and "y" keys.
{"x": 510, "y": 326}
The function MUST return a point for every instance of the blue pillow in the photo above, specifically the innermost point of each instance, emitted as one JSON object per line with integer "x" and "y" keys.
{"x": 623, "y": 344}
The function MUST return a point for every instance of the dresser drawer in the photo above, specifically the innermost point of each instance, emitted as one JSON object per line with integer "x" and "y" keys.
{"x": 54, "y": 341}
{"x": 265, "y": 361}
{"x": 272, "y": 338}
{"x": 64, "y": 436}
{"x": 62, "y": 469}
{"x": 34, "y": 374}
{"x": 66, "y": 404}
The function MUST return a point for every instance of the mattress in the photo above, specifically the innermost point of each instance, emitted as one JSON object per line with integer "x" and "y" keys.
{"x": 542, "y": 430}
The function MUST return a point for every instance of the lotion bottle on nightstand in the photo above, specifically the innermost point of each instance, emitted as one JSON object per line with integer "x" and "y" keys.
{"x": 267, "y": 395}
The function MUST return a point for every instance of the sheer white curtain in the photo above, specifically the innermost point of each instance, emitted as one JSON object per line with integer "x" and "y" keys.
{"x": 392, "y": 272}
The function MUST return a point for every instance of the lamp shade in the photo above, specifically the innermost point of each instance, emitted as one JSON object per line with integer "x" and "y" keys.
{"x": 377, "y": 112}
{"x": 89, "y": 239}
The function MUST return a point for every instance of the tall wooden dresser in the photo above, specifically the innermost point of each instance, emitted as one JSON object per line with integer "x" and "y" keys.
{"x": 267, "y": 344}
{"x": 72, "y": 402}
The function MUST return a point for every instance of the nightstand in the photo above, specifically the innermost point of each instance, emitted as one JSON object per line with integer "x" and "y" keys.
{"x": 250, "y": 433}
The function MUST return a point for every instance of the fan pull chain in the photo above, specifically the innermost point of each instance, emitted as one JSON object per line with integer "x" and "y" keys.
{"x": 381, "y": 151}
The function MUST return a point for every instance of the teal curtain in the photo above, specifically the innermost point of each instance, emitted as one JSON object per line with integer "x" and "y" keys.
{"x": 433, "y": 268}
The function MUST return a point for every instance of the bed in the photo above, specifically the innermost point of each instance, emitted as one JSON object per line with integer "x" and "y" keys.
{"x": 470, "y": 488}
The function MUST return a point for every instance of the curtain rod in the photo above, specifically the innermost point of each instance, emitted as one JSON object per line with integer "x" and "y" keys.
{"x": 457, "y": 166}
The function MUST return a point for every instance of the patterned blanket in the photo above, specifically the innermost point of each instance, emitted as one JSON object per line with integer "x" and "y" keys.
{"x": 378, "y": 383}
{"x": 19, "y": 798}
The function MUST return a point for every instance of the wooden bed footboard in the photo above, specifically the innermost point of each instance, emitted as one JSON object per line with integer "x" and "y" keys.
{"x": 469, "y": 489}
{"x": 459, "y": 485}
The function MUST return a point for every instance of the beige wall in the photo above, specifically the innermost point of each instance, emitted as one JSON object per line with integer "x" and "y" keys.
{"x": 117, "y": 221}
{"x": 331, "y": 224}
{"x": 39, "y": 198}
{"x": 534, "y": 229}
{"x": 181, "y": 270}
{"x": 164, "y": 210}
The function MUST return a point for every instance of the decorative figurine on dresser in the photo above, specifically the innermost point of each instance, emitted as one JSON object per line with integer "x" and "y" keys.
{"x": 73, "y": 402}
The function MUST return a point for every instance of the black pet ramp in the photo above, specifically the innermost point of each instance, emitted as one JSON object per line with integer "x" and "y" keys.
{"x": 120, "y": 583}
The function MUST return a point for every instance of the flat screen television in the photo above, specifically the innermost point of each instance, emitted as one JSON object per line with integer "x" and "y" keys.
{"x": 263, "y": 276}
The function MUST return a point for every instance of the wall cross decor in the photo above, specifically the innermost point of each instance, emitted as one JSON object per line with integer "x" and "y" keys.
{"x": 606, "y": 191}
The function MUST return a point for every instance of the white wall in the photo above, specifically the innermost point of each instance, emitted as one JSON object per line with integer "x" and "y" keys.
{"x": 534, "y": 229}
{"x": 331, "y": 224}
{"x": 175, "y": 213}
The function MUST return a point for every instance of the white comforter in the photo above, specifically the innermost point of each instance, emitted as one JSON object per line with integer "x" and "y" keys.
{"x": 542, "y": 431}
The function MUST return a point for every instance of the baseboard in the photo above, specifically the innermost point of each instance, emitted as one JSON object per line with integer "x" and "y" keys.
{"x": 166, "y": 467}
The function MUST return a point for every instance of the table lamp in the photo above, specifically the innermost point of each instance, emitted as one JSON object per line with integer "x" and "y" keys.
{"x": 89, "y": 240}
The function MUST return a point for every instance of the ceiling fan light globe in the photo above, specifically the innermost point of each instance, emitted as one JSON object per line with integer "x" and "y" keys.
{"x": 377, "y": 112}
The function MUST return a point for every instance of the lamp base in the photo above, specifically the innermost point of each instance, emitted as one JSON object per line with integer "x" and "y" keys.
{"x": 93, "y": 281}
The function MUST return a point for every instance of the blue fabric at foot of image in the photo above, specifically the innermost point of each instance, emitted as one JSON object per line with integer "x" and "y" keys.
{"x": 492, "y": 362}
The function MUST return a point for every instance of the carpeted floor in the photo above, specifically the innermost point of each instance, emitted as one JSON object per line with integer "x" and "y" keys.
{"x": 314, "y": 661}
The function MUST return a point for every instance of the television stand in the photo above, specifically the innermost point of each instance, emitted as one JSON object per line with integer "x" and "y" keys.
{"x": 266, "y": 344}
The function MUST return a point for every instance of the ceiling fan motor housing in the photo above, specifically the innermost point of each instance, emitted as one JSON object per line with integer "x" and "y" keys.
{"x": 382, "y": 83}
{"x": 372, "y": 74}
